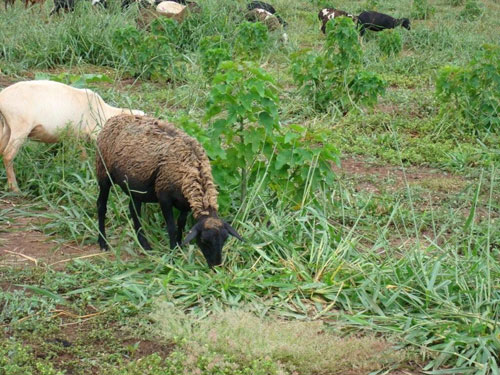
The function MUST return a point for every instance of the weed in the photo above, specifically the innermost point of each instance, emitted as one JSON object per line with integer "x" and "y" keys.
{"x": 16, "y": 359}
{"x": 422, "y": 10}
{"x": 335, "y": 77}
{"x": 253, "y": 143}
{"x": 471, "y": 11}
{"x": 252, "y": 38}
{"x": 150, "y": 56}
{"x": 473, "y": 91}
{"x": 389, "y": 42}
{"x": 300, "y": 347}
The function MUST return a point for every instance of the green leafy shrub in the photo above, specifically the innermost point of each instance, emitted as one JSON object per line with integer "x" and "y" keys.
{"x": 455, "y": 2}
{"x": 75, "y": 80}
{"x": 473, "y": 91}
{"x": 252, "y": 38}
{"x": 213, "y": 51}
{"x": 148, "y": 55}
{"x": 471, "y": 11}
{"x": 243, "y": 108}
{"x": 335, "y": 76}
{"x": 389, "y": 42}
{"x": 422, "y": 10}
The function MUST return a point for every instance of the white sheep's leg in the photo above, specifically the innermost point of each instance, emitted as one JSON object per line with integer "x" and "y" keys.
{"x": 11, "y": 176}
{"x": 9, "y": 154}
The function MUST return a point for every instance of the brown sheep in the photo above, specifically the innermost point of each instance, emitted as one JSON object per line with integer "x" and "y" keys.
{"x": 153, "y": 161}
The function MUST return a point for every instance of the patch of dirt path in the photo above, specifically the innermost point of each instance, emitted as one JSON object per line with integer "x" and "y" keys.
{"x": 373, "y": 176}
{"x": 21, "y": 244}
{"x": 6, "y": 81}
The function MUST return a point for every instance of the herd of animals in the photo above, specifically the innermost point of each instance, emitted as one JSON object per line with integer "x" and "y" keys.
{"x": 151, "y": 160}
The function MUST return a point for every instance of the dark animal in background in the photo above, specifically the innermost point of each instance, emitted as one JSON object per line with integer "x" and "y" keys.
{"x": 33, "y": 2}
{"x": 155, "y": 162}
{"x": 142, "y": 3}
{"x": 66, "y": 5}
{"x": 328, "y": 14}
{"x": 379, "y": 21}
{"x": 8, "y": 2}
{"x": 268, "y": 8}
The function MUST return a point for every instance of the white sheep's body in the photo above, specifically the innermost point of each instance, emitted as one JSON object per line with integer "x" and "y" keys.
{"x": 40, "y": 110}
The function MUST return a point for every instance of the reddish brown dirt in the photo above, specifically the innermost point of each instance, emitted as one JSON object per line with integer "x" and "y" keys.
{"x": 373, "y": 175}
{"x": 142, "y": 348}
{"x": 21, "y": 244}
{"x": 5, "y": 81}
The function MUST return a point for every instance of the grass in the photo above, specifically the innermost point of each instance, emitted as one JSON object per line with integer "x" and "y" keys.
{"x": 393, "y": 266}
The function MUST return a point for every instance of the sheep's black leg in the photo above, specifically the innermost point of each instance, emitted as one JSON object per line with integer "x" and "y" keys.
{"x": 135, "y": 211}
{"x": 102, "y": 203}
{"x": 168, "y": 214}
{"x": 181, "y": 224}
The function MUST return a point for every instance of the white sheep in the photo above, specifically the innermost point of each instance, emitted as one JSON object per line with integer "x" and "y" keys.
{"x": 41, "y": 110}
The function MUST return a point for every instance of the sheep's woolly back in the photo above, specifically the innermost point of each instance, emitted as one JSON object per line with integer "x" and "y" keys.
{"x": 156, "y": 152}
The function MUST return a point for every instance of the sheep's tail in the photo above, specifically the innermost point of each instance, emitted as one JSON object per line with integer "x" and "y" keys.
{"x": 4, "y": 133}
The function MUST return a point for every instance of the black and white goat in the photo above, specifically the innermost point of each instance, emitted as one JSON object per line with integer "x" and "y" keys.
{"x": 260, "y": 5}
{"x": 379, "y": 21}
{"x": 328, "y": 14}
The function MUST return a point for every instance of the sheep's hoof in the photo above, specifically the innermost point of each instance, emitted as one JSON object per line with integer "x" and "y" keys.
{"x": 14, "y": 189}
{"x": 103, "y": 245}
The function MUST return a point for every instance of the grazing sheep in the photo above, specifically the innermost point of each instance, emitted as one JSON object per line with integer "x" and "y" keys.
{"x": 153, "y": 161}
{"x": 328, "y": 14}
{"x": 40, "y": 110}
{"x": 379, "y": 21}
{"x": 266, "y": 7}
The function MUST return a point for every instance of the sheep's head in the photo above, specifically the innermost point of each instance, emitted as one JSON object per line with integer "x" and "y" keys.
{"x": 405, "y": 22}
{"x": 211, "y": 233}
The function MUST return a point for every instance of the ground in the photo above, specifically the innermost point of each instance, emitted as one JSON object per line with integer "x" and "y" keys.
{"x": 390, "y": 267}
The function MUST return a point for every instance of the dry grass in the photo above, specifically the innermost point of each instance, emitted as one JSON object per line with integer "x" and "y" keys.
{"x": 297, "y": 346}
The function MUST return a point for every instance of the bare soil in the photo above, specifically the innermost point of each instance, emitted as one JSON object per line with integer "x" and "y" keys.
{"x": 21, "y": 244}
{"x": 371, "y": 177}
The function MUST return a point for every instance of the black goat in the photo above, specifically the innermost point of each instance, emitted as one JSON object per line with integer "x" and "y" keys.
{"x": 379, "y": 21}
{"x": 268, "y": 8}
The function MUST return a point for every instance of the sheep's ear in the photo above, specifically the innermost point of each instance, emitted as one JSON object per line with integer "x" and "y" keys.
{"x": 232, "y": 231}
{"x": 192, "y": 234}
